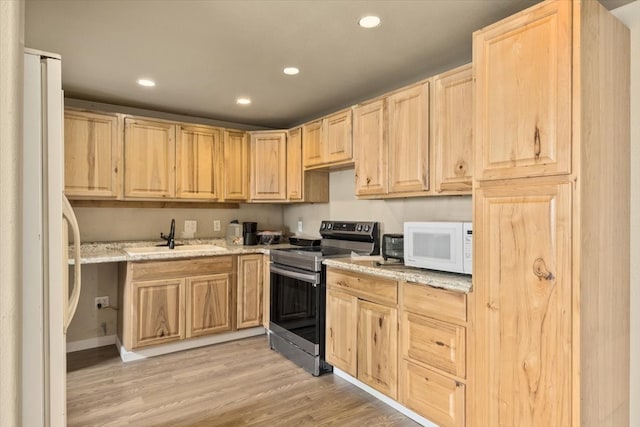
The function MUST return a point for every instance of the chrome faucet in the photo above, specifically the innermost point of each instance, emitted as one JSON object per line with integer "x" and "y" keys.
{"x": 171, "y": 237}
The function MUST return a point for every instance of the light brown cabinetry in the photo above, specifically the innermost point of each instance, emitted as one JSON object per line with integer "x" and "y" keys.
{"x": 249, "y": 291}
{"x": 149, "y": 153}
{"x": 303, "y": 186}
{"x": 432, "y": 353}
{"x": 268, "y": 165}
{"x": 391, "y": 140}
{"x": 236, "y": 165}
{"x": 551, "y": 219}
{"x": 198, "y": 163}
{"x": 166, "y": 301}
{"x": 361, "y": 328}
{"x": 453, "y": 130}
{"x": 92, "y": 155}
{"x": 328, "y": 142}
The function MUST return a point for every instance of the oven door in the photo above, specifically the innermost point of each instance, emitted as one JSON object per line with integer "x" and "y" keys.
{"x": 296, "y": 307}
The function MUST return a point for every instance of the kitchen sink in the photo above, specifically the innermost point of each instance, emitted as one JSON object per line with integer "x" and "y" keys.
{"x": 164, "y": 249}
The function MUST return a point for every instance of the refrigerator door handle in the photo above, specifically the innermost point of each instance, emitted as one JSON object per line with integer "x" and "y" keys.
{"x": 72, "y": 304}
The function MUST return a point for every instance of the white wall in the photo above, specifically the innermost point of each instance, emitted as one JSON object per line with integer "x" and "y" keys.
{"x": 391, "y": 212}
{"x": 630, "y": 15}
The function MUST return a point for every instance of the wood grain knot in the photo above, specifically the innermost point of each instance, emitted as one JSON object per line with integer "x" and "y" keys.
{"x": 368, "y": 180}
{"x": 460, "y": 168}
{"x": 536, "y": 143}
{"x": 440, "y": 343}
{"x": 380, "y": 322}
{"x": 541, "y": 271}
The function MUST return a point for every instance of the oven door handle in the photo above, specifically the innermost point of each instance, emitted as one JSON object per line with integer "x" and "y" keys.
{"x": 312, "y": 278}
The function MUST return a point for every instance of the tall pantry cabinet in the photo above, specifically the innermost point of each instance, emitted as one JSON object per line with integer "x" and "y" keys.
{"x": 551, "y": 219}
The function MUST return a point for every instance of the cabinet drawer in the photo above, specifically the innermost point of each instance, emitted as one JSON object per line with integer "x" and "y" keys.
{"x": 154, "y": 270}
{"x": 434, "y": 396}
{"x": 432, "y": 302}
{"x": 364, "y": 286}
{"x": 435, "y": 343}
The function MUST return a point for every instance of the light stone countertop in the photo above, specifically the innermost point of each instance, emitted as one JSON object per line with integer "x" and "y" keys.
{"x": 102, "y": 252}
{"x": 437, "y": 279}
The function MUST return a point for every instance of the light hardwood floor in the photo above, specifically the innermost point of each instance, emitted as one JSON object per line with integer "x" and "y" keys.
{"x": 241, "y": 383}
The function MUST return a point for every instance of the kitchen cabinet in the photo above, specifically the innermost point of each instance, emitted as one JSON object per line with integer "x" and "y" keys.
{"x": 236, "y": 165}
{"x": 249, "y": 291}
{"x": 391, "y": 139}
{"x": 207, "y": 304}
{"x": 198, "y": 163}
{"x": 269, "y": 165}
{"x": 149, "y": 153}
{"x": 168, "y": 301}
{"x": 303, "y": 186}
{"x": 453, "y": 130}
{"x": 92, "y": 155}
{"x": 361, "y": 328}
{"x": 551, "y": 219}
{"x": 328, "y": 143}
{"x": 432, "y": 353}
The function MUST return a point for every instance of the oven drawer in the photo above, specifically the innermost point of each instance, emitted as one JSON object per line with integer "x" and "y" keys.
{"x": 364, "y": 286}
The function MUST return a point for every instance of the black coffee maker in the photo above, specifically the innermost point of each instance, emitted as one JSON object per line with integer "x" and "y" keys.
{"x": 250, "y": 233}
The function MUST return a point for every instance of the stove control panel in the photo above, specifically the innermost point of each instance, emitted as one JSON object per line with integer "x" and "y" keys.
{"x": 349, "y": 229}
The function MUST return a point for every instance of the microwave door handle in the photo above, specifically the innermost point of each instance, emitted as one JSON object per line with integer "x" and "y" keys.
{"x": 306, "y": 277}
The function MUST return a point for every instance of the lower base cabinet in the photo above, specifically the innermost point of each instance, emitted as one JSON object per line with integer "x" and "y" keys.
{"x": 250, "y": 275}
{"x": 168, "y": 301}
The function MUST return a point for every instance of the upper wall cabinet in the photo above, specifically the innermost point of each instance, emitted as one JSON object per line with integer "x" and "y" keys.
{"x": 523, "y": 123}
{"x": 328, "y": 142}
{"x": 236, "y": 165}
{"x": 198, "y": 163}
{"x": 453, "y": 130}
{"x": 391, "y": 139}
{"x": 92, "y": 155}
{"x": 309, "y": 186}
{"x": 269, "y": 165}
{"x": 149, "y": 152}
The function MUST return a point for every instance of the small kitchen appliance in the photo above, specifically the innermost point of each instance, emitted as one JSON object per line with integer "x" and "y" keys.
{"x": 393, "y": 246}
{"x": 250, "y": 233}
{"x": 298, "y": 290}
{"x": 445, "y": 246}
{"x": 234, "y": 234}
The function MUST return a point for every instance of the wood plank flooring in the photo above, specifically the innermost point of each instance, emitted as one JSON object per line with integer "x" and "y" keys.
{"x": 241, "y": 383}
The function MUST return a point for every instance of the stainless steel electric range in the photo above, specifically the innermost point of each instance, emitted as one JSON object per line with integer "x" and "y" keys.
{"x": 298, "y": 290}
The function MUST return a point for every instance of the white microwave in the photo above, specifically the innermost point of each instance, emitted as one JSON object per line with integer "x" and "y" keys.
{"x": 445, "y": 246}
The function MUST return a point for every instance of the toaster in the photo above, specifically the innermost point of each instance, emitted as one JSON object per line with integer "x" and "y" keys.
{"x": 393, "y": 246}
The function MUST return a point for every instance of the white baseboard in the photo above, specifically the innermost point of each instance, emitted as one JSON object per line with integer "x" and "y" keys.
{"x": 143, "y": 353}
{"x": 389, "y": 401}
{"x": 90, "y": 343}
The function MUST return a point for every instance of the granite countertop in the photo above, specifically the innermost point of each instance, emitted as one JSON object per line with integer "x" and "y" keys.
{"x": 102, "y": 252}
{"x": 437, "y": 279}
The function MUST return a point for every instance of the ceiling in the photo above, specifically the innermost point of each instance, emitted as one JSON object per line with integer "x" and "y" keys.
{"x": 205, "y": 54}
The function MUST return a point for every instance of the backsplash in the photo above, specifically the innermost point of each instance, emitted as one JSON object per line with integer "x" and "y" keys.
{"x": 391, "y": 213}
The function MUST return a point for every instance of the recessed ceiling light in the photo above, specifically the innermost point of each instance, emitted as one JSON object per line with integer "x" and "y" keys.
{"x": 291, "y": 71}
{"x": 243, "y": 101}
{"x": 369, "y": 21}
{"x": 146, "y": 82}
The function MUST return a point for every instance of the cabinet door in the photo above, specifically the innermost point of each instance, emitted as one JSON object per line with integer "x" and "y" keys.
{"x": 436, "y": 397}
{"x": 341, "y": 331}
{"x": 158, "y": 312}
{"x": 294, "y": 164}
{"x": 409, "y": 140}
{"x": 92, "y": 156}
{"x": 523, "y": 94}
{"x": 313, "y": 149}
{"x": 208, "y": 299}
{"x": 370, "y": 148}
{"x": 338, "y": 138}
{"x": 378, "y": 347}
{"x": 522, "y": 285}
{"x": 249, "y": 308}
{"x": 268, "y": 166}
{"x": 236, "y": 165}
{"x": 198, "y": 162}
{"x": 453, "y": 133}
{"x": 149, "y": 159}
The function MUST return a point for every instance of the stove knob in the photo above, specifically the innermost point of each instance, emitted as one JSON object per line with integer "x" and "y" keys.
{"x": 359, "y": 227}
{"x": 367, "y": 228}
{"x": 329, "y": 226}
{"x": 323, "y": 226}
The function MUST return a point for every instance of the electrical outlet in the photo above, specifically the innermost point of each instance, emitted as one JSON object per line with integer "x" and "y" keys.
{"x": 300, "y": 226}
{"x": 102, "y": 302}
{"x": 190, "y": 226}
{"x": 216, "y": 225}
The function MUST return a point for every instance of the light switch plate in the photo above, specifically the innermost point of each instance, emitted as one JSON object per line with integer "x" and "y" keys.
{"x": 190, "y": 227}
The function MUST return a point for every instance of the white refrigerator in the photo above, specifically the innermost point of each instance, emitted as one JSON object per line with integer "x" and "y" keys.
{"x": 47, "y": 302}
